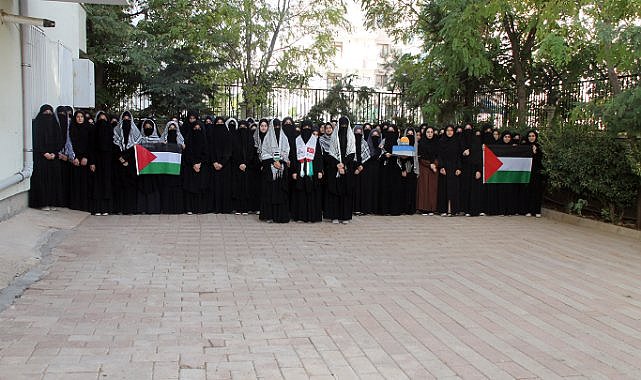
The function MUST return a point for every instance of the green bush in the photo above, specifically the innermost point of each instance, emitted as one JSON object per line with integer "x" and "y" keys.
{"x": 591, "y": 164}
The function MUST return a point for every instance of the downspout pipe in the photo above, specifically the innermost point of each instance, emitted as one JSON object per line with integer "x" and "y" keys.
{"x": 27, "y": 85}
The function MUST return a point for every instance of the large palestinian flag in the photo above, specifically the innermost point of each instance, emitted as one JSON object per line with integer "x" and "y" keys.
{"x": 157, "y": 158}
{"x": 507, "y": 164}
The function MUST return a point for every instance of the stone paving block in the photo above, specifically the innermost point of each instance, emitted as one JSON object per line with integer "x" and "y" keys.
{"x": 246, "y": 300}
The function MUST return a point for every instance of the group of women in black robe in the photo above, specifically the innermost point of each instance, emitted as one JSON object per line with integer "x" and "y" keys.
{"x": 275, "y": 168}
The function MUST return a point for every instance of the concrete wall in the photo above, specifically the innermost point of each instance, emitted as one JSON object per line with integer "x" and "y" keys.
{"x": 70, "y": 21}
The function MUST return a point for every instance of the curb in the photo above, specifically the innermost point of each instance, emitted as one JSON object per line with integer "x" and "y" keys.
{"x": 589, "y": 223}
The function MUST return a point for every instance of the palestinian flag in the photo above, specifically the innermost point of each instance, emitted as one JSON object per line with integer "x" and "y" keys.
{"x": 507, "y": 164}
{"x": 157, "y": 158}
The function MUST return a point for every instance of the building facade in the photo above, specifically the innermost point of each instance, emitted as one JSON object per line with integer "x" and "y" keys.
{"x": 40, "y": 65}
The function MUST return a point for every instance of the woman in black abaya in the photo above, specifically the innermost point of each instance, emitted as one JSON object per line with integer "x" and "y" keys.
{"x": 450, "y": 170}
{"x": 274, "y": 156}
{"x": 65, "y": 155}
{"x": 80, "y": 137}
{"x": 243, "y": 165}
{"x": 370, "y": 198}
{"x": 149, "y": 184}
{"x": 196, "y": 179}
{"x": 361, "y": 176}
{"x": 507, "y": 193}
{"x": 126, "y": 135}
{"x": 307, "y": 172}
{"x": 409, "y": 172}
{"x": 390, "y": 175}
{"x": 46, "y": 189}
{"x": 339, "y": 167}
{"x": 256, "y": 173}
{"x": 534, "y": 190}
{"x": 171, "y": 191}
{"x": 220, "y": 150}
{"x": 104, "y": 150}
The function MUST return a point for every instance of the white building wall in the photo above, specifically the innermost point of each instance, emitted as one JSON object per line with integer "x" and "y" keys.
{"x": 10, "y": 102}
{"x": 54, "y": 52}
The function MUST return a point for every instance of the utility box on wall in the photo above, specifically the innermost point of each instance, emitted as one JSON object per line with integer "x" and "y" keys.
{"x": 84, "y": 85}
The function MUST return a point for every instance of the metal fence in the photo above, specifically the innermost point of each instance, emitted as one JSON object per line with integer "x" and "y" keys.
{"x": 365, "y": 106}
{"x": 499, "y": 106}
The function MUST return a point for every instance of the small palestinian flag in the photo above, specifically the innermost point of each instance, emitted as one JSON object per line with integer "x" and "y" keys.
{"x": 158, "y": 158}
{"x": 507, "y": 164}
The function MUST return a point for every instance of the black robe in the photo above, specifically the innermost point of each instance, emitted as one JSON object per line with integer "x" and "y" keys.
{"x": 220, "y": 150}
{"x": 339, "y": 190}
{"x": 171, "y": 191}
{"x": 125, "y": 179}
{"x": 46, "y": 181}
{"x": 243, "y": 181}
{"x": 536, "y": 187}
{"x": 307, "y": 193}
{"x": 390, "y": 179}
{"x": 449, "y": 155}
{"x": 103, "y": 158}
{"x": 196, "y": 185}
{"x": 80, "y": 135}
{"x": 361, "y": 180}
{"x": 274, "y": 201}
{"x": 369, "y": 194}
{"x": 408, "y": 186}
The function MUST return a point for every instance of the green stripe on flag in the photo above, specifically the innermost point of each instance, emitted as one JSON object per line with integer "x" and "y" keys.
{"x": 170, "y": 168}
{"x": 504, "y": 176}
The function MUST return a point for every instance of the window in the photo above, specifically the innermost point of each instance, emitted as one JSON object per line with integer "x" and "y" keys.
{"x": 332, "y": 79}
{"x": 381, "y": 80}
{"x": 383, "y": 50}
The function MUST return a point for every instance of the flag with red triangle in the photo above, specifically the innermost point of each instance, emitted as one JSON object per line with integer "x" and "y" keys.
{"x": 157, "y": 158}
{"x": 507, "y": 163}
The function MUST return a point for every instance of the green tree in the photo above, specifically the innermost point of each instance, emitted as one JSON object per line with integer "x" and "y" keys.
{"x": 110, "y": 37}
{"x": 276, "y": 43}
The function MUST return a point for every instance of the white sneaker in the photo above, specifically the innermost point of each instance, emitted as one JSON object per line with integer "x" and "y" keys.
{"x": 335, "y": 221}
{"x": 98, "y": 214}
{"x": 345, "y": 222}
{"x": 431, "y": 214}
{"x": 190, "y": 213}
{"x": 444, "y": 214}
{"x": 46, "y": 208}
{"x": 538, "y": 215}
{"x": 528, "y": 214}
{"x": 423, "y": 214}
{"x": 105, "y": 213}
{"x": 53, "y": 209}
{"x": 467, "y": 215}
{"x": 237, "y": 213}
{"x": 245, "y": 213}
{"x": 482, "y": 214}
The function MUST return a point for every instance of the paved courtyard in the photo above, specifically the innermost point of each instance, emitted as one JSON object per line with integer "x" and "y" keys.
{"x": 218, "y": 297}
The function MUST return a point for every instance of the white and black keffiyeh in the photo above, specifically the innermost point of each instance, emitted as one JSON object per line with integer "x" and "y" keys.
{"x": 180, "y": 140}
{"x": 275, "y": 149}
{"x": 334, "y": 148}
{"x": 154, "y": 137}
{"x": 134, "y": 134}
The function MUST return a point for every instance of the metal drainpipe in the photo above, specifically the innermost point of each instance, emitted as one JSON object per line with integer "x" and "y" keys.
{"x": 25, "y": 53}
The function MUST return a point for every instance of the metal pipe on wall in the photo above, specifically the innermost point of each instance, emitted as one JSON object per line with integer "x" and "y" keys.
{"x": 27, "y": 85}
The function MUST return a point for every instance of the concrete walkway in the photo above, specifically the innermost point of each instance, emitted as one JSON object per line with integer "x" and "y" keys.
{"x": 217, "y": 297}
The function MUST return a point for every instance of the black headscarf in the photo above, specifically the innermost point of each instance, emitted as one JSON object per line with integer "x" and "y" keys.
{"x": 374, "y": 143}
{"x": 48, "y": 135}
{"x": 391, "y": 137}
{"x": 306, "y": 130}
{"x": 449, "y": 150}
{"x": 104, "y": 133}
{"x": 428, "y": 148}
{"x": 79, "y": 135}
